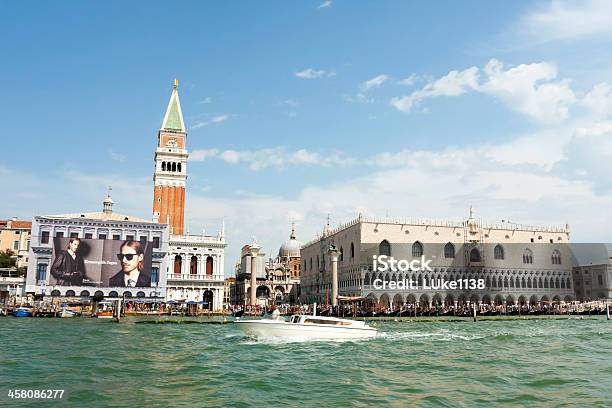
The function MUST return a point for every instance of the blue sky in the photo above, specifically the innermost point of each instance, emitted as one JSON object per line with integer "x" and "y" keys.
{"x": 297, "y": 110}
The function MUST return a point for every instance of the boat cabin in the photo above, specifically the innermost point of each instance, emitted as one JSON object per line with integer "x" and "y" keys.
{"x": 324, "y": 320}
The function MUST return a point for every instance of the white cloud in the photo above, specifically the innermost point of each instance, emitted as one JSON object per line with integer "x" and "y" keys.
{"x": 291, "y": 105}
{"x": 311, "y": 73}
{"x": 566, "y": 20}
{"x": 117, "y": 156}
{"x": 599, "y": 100}
{"x": 360, "y": 97}
{"x": 206, "y": 100}
{"x": 375, "y": 82}
{"x": 588, "y": 155}
{"x": 202, "y": 154}
{"x": 541, "y": 149}
{"x": 531, "y": 89}
{"x": 408, "y": 81}
{"x": 453, "y": 84}
{"x": 214, "y": 120}
{"x": 325, "y": 4}
{"x": 276, "y": 157}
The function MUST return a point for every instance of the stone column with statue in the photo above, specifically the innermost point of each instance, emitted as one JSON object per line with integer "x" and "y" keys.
{"x": 254, "y": 251}
{"x": 333, "y": 256}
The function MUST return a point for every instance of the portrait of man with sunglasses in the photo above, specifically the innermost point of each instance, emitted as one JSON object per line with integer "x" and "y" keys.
{"x": 131, "y": 259}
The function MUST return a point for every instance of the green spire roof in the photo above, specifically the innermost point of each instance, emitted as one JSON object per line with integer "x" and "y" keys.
{"x": 173, "y": 120}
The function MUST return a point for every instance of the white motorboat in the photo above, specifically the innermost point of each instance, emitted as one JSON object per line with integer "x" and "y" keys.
{"x": 307, "y": 327}
{"x": 68, "y": 313}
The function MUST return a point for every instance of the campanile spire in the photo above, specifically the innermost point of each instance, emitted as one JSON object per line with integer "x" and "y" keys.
{"x": 173, "y": 119}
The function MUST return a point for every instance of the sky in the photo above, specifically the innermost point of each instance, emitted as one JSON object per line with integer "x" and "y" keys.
{"x": 300, "y": 111}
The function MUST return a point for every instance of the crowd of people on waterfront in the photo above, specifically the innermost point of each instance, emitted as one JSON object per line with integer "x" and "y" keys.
{"x": 368, "y": 309}
{"x": 362, "y": 308}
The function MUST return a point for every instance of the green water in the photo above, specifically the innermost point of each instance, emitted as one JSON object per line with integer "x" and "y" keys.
{"x": 511, "y": 363}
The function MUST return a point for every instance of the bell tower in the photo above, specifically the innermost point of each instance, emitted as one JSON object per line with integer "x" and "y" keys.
{"x": 171, "y": 167}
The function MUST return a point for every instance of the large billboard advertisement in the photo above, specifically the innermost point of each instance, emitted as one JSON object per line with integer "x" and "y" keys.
{"x": 100, "y": 263}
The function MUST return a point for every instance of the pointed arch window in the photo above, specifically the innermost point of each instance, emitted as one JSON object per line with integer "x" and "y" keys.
{"x": 527, "y": 256}
{"x": 384, "y": 248}
{"x": 352, "y": 250}
{"x": 449, "y": 250}
{"x": 498, "y": 252}
{"x": 417, "y": 249}
{"x": 556, "y": 257}
{"x": 475, "y": 255}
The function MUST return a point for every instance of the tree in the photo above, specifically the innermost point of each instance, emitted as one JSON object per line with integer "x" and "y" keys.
{"x": 7, "y": 259}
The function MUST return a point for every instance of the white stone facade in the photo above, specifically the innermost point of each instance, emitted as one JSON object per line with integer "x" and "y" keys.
{"x": 98, "y": 225}
{"x": 195, "y": 271}
{"x": 508, "y": 279}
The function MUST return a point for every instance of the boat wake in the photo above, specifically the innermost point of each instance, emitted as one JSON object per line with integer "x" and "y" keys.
{"x": 433, "y": 336}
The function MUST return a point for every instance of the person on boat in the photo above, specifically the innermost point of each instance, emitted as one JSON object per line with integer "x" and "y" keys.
{"x": 131, "y": 257}
{"x": 68, "y": 266}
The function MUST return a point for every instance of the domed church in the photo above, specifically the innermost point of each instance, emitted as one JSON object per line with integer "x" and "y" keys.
{"x": 278, "y": 280}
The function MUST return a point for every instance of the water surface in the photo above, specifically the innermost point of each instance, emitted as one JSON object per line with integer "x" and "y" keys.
{"x": 102, "y": 363}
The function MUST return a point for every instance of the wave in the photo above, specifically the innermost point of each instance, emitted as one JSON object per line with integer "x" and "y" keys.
{"x": 441, "y": 336}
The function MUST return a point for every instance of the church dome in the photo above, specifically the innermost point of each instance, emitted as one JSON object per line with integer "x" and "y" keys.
{"x": 291, "y": 248}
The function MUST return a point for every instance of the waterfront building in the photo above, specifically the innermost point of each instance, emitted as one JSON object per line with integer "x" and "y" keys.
{"x": 195, "y": 268}
{"x": 15, "y": 237}
{"x": 96, "y": 230}
{"x": 12, "y": 286}
{"x": 593, "y": 271}
{"x": 284, "y": 271}
{"x": 278, "y": 279}
{"x": 519, "y": 264}
{"x": 250, "y": 259}
{"x": 227, "y": 292}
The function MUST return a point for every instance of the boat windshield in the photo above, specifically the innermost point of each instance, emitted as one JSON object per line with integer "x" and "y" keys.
{"x": 325, "y": 321}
